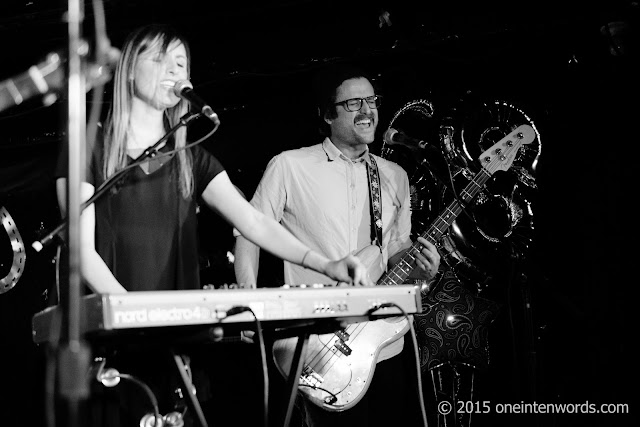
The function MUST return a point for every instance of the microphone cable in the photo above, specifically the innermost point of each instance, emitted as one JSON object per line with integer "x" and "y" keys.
{"x": 263, "y": 358}
{"x": 160, "y": 155}
{"x": 111, "y": 377}
{"x": 414, "y": 340}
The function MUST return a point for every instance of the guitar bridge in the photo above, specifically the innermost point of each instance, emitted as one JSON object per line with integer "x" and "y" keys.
{"x": 311, "y": 377}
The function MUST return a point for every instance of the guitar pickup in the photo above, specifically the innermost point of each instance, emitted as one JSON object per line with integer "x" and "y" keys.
{"x": 342, "y": 347}
{"x": 343, "y": 335}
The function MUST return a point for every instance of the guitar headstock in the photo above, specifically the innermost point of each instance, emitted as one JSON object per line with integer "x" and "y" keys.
{"x": 500, "y": 156}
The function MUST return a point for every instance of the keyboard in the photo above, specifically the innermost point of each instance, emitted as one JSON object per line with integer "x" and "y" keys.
{"x": 286, "y": 306}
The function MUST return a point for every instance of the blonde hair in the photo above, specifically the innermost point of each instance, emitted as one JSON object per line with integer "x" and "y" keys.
{"x": 117, "y": 124}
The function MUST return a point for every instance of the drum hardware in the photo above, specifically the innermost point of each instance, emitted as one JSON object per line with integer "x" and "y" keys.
{"x": 19, "y": 254}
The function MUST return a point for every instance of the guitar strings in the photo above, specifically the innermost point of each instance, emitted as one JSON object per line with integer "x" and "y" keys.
{"x": 320, "y": 366}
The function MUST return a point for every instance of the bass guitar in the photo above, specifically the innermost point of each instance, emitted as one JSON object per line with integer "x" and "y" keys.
{"x": 338, "y": 367}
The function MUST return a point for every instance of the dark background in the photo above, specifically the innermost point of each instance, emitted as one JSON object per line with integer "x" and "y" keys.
{"x": 571, "y": 66}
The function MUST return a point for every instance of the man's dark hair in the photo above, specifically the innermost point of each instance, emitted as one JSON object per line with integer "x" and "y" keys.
{"x": 325, "y": 85}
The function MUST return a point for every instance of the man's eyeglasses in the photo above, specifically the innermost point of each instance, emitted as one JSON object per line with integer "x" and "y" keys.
{"x": 355, "y": 104}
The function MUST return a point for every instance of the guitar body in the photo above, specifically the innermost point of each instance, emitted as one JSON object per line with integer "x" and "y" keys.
{"x": 343, "y": 362}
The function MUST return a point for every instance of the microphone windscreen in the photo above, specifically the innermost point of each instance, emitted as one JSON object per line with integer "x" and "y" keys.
{"x": 182, "y": 85}
{"x": 388, "y": 136}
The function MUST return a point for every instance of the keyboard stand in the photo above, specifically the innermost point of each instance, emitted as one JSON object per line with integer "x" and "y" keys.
{"x": 192, "y": 401}
{"x": 294, "y": 375}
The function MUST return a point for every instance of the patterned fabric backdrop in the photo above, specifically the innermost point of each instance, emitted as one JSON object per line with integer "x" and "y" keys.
{"x": 454, "y": 325}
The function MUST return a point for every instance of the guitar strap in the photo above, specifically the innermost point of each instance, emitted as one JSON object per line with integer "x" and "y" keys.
{"x": 376, "y": 202}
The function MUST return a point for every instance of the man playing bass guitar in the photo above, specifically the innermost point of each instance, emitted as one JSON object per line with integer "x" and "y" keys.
{"x": 339, "y": 199}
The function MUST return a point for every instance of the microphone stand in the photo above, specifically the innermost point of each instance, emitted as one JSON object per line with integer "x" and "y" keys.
{"x": 73, "y": 355}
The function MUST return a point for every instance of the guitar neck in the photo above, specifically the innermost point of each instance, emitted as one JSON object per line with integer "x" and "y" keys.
{"x": 48, "y": 77}
{"x": 15, "y": 91}
{"x": 497, "y": 157}
{"x": 399, "y": 273}
{"x": 37, "y": 80}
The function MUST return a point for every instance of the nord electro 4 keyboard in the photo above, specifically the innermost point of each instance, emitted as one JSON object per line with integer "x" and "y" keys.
{"x": 279, "y": 307}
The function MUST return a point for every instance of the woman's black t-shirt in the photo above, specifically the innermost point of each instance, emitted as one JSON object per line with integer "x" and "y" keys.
{"x": 147, "y": 231}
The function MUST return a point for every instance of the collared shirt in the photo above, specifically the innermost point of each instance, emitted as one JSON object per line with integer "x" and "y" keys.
{"x": 322, "y": 198}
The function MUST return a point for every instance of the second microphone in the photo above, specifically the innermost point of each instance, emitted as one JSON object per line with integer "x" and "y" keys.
{"x": 395, "y": 137}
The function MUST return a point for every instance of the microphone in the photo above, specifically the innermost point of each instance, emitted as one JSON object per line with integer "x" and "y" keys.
{"x": 395, "y": 137}
{"x": 184, "y": 89}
